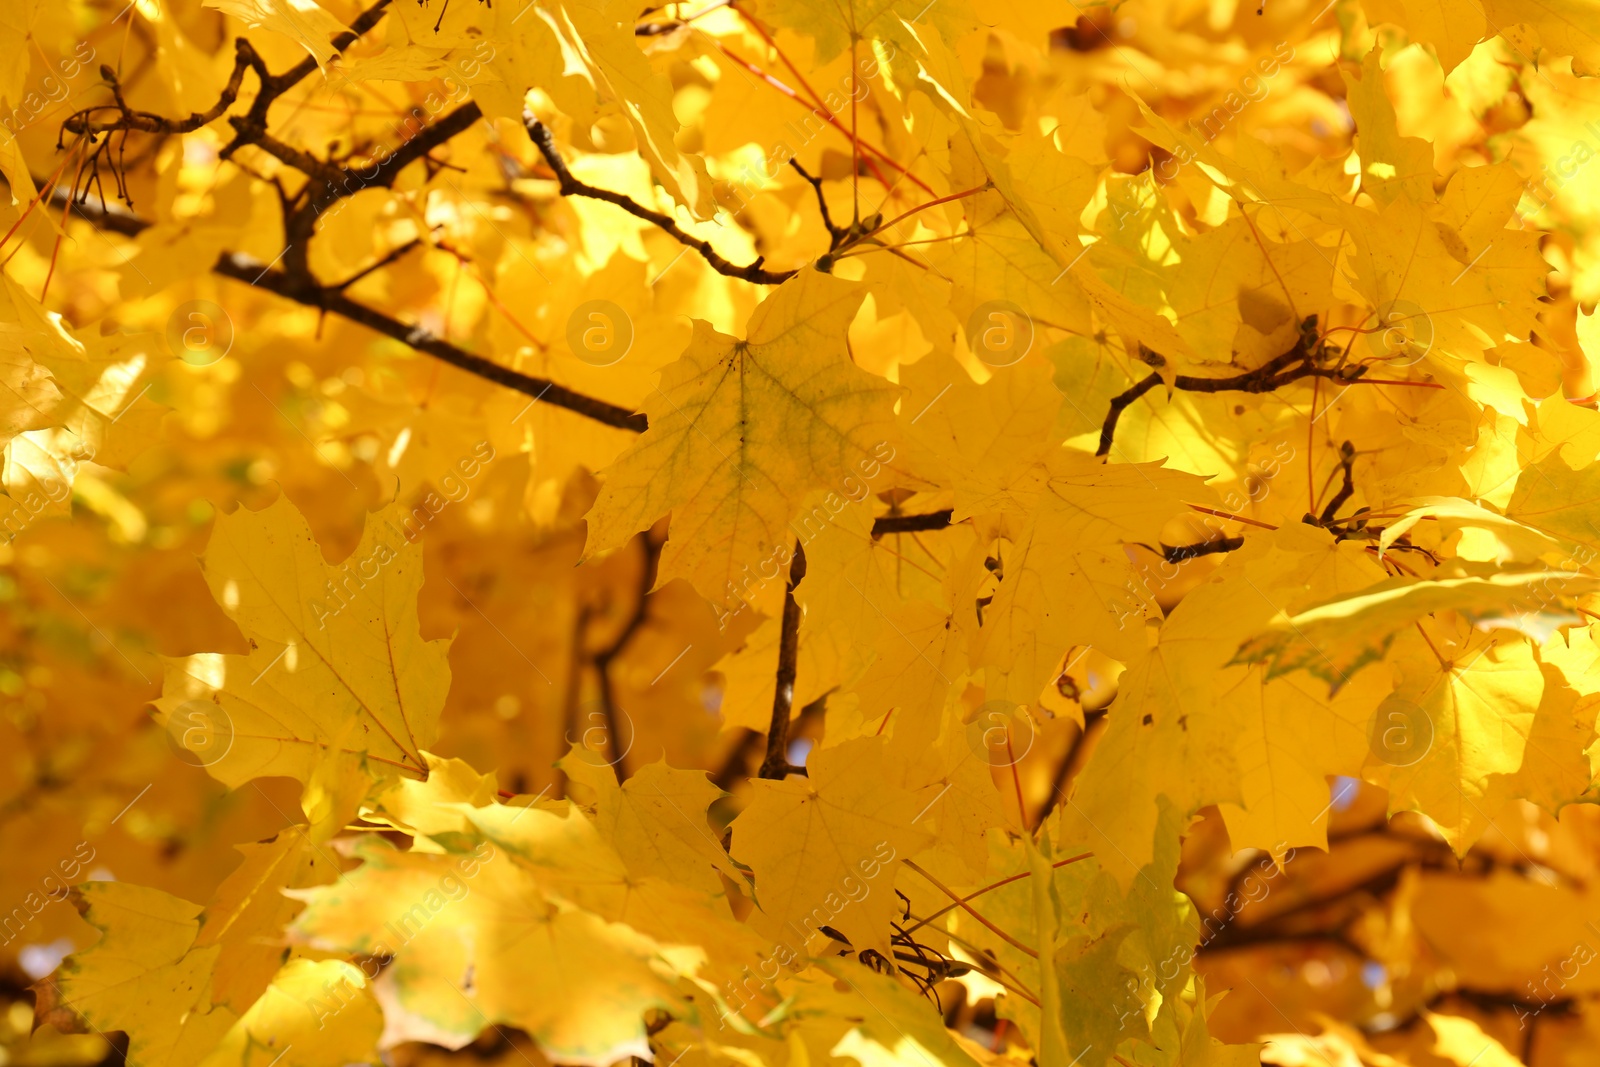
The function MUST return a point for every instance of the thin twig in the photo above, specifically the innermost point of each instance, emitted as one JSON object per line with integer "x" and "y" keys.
{"x": 603, "y": 658}
{"x": 1347, "y": 455}
{"x": 933, "y": 520}
{"x": 391, "y": 256}
{"x": 1236, "y": 518}
{"x": 970, "y": 910}
{"x": 836, "y": 233}
{"x": 1291, "y": 366}
{"x": 252, "y": 272}
{"x": 81, "y": 122}
{"x": 1095, "y": 723}
{"x": 951, "y": 198}
{"x": 1120, "y": 403}
{"x": 1179, "y": 553}
{"x": 975, "y": 894}
{"x": 858, "y": 153}
{"x": 572, "y": 186}
{"x": 777, "y": 764}
{"x": 828, "y": 117}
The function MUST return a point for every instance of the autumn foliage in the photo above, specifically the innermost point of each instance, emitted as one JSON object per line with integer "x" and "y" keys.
{"x": 780, "y": 532}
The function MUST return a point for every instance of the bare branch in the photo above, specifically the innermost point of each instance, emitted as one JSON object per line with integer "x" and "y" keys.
{"x": 253, "y": 124}
{"x": 1291, "y": 366}
{"x": 933, "y": 520}
{"x": 1347, "y": 456}
{"x": 836, "y": 234}
{"x": 254, "y": 273}
{"x": 572, "y": 186}
{"x": 245, "y": 58}
{"x": 1179, "y": 553}
{"x": 777, "y": 764}
{"x": 250, "y": 128}
{"x": 394, "y": 255}
{"x": 250, "y": 271}
{"x": 603, "y": 659}
{"x": 1119, "y": 403}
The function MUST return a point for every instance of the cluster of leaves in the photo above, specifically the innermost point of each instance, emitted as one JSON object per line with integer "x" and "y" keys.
{"x": 766, "y": 532}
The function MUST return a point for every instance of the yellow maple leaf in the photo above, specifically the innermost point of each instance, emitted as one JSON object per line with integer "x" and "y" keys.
{"x": 656, "y": 820}
{"x": 920, "y": 658}
{"x": 985, "y": 441}
{"x": 1560, "y": 27}
{"x": 1452, "y": 32}
{"x": 337, "y": 663}
{"x": 1335, "y": 639}
{"x": 316, "y": 1013}
{"x": 250, "y": 909}
{"x": 1067, "y": 580}
{"x": 1457, "y": 717}
{"x": 741, "y": 430}
{"x": 495, "y": 930}
{"x": 894, "y": 26}
{"x": 824, "y": 849}
{"x": 143, "y": 976}
{"x": 305, "y": 22}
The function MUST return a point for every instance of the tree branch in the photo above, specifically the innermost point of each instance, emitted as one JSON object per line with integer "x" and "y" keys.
{"x": 250, "y": 128}
{"x": 836, "y": 234}
{"x": 282, "y": 83}
{"x": 245, "y": 58}
{"x": 1291, "y": 366}
{"x": 426, "y": 140}
{"x": 255, "y": 273}
{"x": 1095, "y": 723}
{"x": 252, "y": 272}
{"x": 394, "y": 255}
{"x": 777, "y": 764}
{"x": 329, "y": 174}
{"x": 338, "y": 182}
{"x": 1179, "y": 553}
{"x": 1120, "y": 403}
{"x": 604, "y": 658}
{"x": 933, "y": 520}
{"x": 572, "y": 186}
{"x": 1347, "y": 455}
{"x": 330, "y": 182}
{"x": 939, "y": 520}
{"x": 253, "y": 124}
